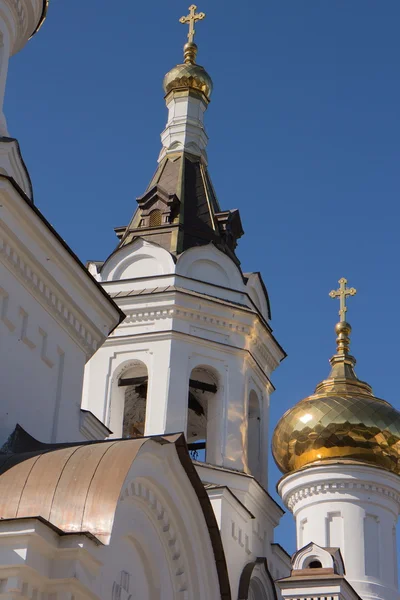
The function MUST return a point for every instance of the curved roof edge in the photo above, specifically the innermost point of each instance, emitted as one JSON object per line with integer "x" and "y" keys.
{"x": 62, "y": 483}
{"x": 42, "y": 17}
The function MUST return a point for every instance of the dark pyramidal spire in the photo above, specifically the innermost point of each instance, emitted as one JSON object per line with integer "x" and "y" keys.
{"x": 179, "y": 208}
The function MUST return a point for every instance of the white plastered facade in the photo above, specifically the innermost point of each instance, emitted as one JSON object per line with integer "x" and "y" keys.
{"x": 354, "y": 508}
{"x": 197, "y": 313}
{"x": 53, "y": 317}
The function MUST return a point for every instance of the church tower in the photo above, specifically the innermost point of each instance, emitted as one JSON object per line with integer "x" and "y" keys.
{"x": 196, "y": 350}
{"x": 339, "y": 450}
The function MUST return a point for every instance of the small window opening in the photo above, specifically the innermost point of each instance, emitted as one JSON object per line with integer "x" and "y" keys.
{"x": 254, "y": 435}
{"x": 315, "y": 564}
{"x": 155, "y": 218}
{"x": 202, "y": 391}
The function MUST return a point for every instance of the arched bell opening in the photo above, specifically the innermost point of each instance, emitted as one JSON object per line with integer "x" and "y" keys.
{"x": 203, "y": 390}
{"x": 254, "y": 435}
{"x": 134, "y": 382}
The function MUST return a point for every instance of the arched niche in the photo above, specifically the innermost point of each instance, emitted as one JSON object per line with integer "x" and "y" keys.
{"x": 256, "y": 582}
{"x": 254, "y": 435}
{"x": 137, "y": 259}
{"x": 128, "y": 400}
{"x": 208, "y": 264}
{"x": 203, "y": 410}
{"x": 258, "y": 293}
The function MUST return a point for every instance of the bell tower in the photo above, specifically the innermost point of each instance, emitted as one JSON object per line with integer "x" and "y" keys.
{"x": 196, "y": 350}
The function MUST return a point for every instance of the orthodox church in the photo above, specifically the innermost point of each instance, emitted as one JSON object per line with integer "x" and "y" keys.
{"x": 135, "y": 397}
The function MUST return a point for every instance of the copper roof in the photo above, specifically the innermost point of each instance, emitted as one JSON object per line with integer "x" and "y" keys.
{"x": 64, "y": 486}
{"x": 76, "y": 487}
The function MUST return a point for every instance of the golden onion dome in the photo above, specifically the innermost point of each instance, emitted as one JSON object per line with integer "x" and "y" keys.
{"x": 341, "y": 421}
{"x": 189, "y": 75}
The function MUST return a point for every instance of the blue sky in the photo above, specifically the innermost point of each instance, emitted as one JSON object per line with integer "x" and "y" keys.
{"x": 304, "y": 139}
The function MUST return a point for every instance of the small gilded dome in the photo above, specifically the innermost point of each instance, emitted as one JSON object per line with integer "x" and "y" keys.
{"x": 342, "y": 420}
{"x": 189, "y": 75}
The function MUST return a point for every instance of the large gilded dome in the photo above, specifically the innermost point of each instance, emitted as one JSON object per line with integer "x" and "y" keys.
{"x": 341, "y": 421}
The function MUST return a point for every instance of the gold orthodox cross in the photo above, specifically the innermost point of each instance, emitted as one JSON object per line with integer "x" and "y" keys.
{"x": 191, "y": 19}
{"x": 342, "y": 294}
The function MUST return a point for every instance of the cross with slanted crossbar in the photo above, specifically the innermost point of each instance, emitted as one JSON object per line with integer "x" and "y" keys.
{"x": 191, "y": 19}
{"x": 342, "y": 294}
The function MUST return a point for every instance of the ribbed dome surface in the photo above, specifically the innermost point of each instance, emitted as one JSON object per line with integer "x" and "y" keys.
{"x": 188, "y": 76}
{"x": 337, "y": 427}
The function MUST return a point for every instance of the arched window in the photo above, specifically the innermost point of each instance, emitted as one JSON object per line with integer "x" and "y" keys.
{"x": 314, "y": 564}
{"x": 134, "y": 382}
{"x": 155, "y": 218}
{"x": 254, "y": 435}
{"x": 203, "y": 388}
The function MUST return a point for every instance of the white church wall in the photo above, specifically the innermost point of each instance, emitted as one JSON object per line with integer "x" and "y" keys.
{"x": 236, "y": 533}
{"x": 52, "y": 318}
{"x": 178, "y": 343}
{"x": 41, "y": 368}
{"x": 355, "y": 507}
{"x": 247, "y": 517}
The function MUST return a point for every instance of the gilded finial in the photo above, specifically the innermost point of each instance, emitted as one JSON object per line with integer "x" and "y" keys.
{"x": 343, "y": 329}
{"x": 190, "y": 49}
{"x": 342, "y": 294}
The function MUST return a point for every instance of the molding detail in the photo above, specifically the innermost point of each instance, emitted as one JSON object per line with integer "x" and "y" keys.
{"x": 160, "y": 313}
{"x": 190, "y": 315}
{"x": 46, "y": 295}
{"x": 338, "y": 487}
{"x": 167, "y": 530}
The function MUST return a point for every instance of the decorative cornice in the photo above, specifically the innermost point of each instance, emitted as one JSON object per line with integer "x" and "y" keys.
{"x": 167, "y": 530}
{"x": 337, "y": 487}
{"x": 198, "y": 317}
{"x": 20, "y": 265}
